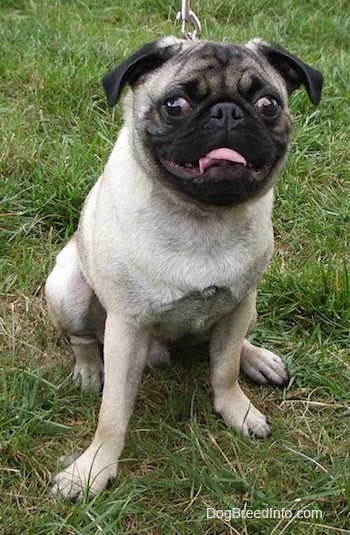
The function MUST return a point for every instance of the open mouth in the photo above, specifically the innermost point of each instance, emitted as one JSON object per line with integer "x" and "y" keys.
{"x": 218, "y": 163}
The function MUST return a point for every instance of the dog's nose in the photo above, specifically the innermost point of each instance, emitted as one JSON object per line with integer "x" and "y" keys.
{"x": 226, "y": 115}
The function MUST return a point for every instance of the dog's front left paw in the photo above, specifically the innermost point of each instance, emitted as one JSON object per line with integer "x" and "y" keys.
{"x": 87, "y": 476}
{"x": 240, "y": 414}
{"x": 262, "y": 366}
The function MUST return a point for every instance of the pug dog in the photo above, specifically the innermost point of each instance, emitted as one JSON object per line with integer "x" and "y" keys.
{"x": 176, "y": 233}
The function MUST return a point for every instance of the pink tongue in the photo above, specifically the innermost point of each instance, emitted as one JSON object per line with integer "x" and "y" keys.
{"x": 217, "y": 156}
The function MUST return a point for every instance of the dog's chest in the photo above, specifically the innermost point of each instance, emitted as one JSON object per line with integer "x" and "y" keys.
{"x": 192, "y": 314}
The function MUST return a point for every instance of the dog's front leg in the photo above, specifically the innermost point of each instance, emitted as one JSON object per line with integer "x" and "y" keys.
{"x": 226, "y": 343}
{"x": 125, "y": 353}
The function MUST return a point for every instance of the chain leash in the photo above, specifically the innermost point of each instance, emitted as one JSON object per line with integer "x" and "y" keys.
{"x": 186, "y": 16}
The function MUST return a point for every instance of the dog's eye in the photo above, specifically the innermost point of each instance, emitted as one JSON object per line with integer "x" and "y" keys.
{"x": 176, "y": 107}
{"x": 268, "y": 107}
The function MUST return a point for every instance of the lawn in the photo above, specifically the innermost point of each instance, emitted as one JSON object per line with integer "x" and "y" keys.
{"x": 56, "y": 132}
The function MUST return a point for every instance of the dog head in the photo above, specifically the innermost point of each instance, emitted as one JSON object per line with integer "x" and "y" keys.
{"x": 210, "y": 120}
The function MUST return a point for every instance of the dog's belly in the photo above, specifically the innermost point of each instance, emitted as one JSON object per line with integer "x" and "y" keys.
{"x": 192, "y": 314}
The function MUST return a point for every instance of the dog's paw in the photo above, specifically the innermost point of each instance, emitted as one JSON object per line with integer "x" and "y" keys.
{"x": 250, "y": 424}
{"x": 253, "y": 424}
{"x": 85, "y": 477}
{"x": 262, "y": 366}
{"x": 240, "y": 414}
{"x": 89, "y": 377}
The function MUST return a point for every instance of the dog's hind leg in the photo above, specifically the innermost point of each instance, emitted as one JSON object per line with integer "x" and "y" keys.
{"x": 77, "y": 313}
{"x": 262, "y": 366}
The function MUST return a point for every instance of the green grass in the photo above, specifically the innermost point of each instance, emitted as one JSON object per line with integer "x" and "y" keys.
{"x": 56, "y": 132}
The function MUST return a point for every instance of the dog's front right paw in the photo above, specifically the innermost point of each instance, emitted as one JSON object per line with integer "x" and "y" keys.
{"x": 87, "y": 476}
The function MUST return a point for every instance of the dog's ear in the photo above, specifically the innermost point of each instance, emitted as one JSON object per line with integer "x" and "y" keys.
{"x": 148, "y": 58}
{"x": 294, "y": 71}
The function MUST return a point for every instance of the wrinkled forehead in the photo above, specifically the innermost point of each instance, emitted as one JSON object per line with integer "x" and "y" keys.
{"x": 206, "y": 66}
{"x": 214, "y": 55}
